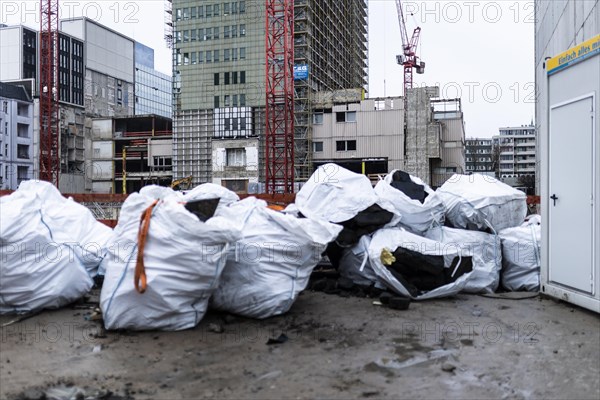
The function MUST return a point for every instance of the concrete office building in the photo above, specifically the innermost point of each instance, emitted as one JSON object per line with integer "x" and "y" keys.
{"x": 16, "y": 136}
{"x": 567, "y": 65}
{"x": 109, "y": 67}
{"x": 219, "y": 79}
{"x": 130, "y": 152}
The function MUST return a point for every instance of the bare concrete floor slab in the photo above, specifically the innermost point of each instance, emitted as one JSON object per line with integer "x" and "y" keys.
{"x": 465, "y": 347}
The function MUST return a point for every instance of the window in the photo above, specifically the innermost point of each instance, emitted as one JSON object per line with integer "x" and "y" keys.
{"x": 216, "y": 56}
{"x": 234, "y": 103}
{"x": 193, "y": 35}
{"x": 216, "y": 10}
{"x": 209, "y": 11}
{"x": 242, "y": 53}
{"x": 208, "y": 34}
{"x": 226, "y": 78}
{"x": 234, "y": 54}
{"x": 200, "y": 57}
{"x": 226, "y": 100}
{"x": 186, "y": 58}
{"x": 233, "y": 31}
{"x": 227, "y": 124}
{"x": 216, "y": 79}
{"x": 242, "y": 100}
{"x": 242, "y": 30}
{"x": 22, "y": 174}
{"x": 317, "y": 118}
{"x": 208, "y": 56}
{"x": 200, "y": 11}
{"x": 243, "y": 123}
{"x": 225, "y": 54}
{"x": 201, "y": 34}
{"x": 216, "y": 101}
{"x": 234, "y": 77}
{"x": 235, "y": 157}
{"x": 23, "y": 130}
{"x": 194, "y": 57}
{"x": 317, "y": 147}
{"x": 345, "y": 145}
{"x": 186, "y": 36}
{"x": 193, "y": 12}
{"x": 226, "y": 9}
{"x": 234, "y": 8}
{"x": 226, "y": 32}
{"x": 178, "y": 14}
{"x": 242, "y": 7}
{"x": 216, "y": 32}
{"x": 23, "y": 151}
{"x": 348, "y": 116}
{"x": 242, "y": 76}
{"x": 186, "y": 13}
{"x": 235, "y": 124}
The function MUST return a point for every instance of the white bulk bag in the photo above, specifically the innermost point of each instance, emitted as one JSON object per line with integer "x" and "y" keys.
{"x": 479, "y": 202}
{"x": 183, "y": 259}
{"x": 484, "y": 248}
{"x": 416, "y": 216}
{"x": 336, "y": 194}
{"x": 211, "y": 191}
{"x": 50, "y": 248}
{"x": 521, "y": 259}
{"x": 272, "y": 263}
{"x": 391, "y": 239}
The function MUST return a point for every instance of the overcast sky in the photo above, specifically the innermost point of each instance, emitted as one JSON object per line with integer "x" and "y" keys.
{"x": 480, "y": 51}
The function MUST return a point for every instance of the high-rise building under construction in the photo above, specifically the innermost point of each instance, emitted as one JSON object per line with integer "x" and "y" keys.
{"x": 219, "y": 81}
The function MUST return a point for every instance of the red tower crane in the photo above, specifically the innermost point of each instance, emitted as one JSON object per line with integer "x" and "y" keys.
{"x": 279, "y": 72}
{"x": 49, "y": 92}
{"x": 408, "y": 58}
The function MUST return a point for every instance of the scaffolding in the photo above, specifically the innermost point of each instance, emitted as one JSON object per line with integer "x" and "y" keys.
{"x": 192, "y": 146}
{"x": 330, "y": 39}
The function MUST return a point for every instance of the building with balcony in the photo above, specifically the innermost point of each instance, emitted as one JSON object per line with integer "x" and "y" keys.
{"x": 517, "y": 151}
{"x": 16, "y": 136}
{"x": 479, "y": 156}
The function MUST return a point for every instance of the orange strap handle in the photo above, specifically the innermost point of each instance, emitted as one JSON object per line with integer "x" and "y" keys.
{"x": 140, "y": 271}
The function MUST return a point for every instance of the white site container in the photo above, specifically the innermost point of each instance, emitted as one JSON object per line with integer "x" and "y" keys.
{"x": 569, "y": 154}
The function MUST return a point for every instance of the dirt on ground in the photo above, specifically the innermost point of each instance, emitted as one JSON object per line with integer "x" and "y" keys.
{"x": 327, "y": 346}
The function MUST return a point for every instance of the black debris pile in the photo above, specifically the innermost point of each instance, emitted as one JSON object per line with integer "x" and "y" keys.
{"x": 401, "y": 181}
{"x": 420, "y": 273}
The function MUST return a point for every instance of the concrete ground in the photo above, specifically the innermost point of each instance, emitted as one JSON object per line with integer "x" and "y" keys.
{"x": 464, "y": 347}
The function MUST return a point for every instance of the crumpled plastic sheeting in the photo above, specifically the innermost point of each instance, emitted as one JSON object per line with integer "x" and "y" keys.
{"x": 416, "y": 216}
{"x": 354, "y": 263}
{"x": 183, "y": 258}
{"x": 272, "y": 263}
{"x": 391, "y": 239}
{"x": 336, "y": 194}
{"x": 521, "y": 256}
{"x": 50, "y": 249}
{"x": 485, "y": 251}
{"x": 479, "y": 202}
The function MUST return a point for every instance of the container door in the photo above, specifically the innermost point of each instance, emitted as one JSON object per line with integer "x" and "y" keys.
{"x": 571, "y": 206}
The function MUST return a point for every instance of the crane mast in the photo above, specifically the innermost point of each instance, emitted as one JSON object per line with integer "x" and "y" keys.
{"x": 49, "y": 92}
{"x": 408, "y": 59}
